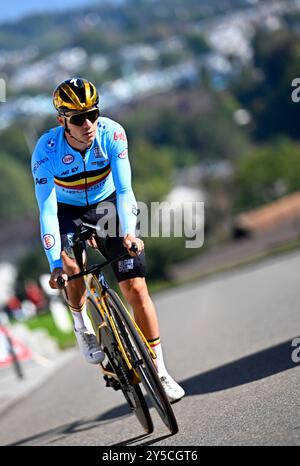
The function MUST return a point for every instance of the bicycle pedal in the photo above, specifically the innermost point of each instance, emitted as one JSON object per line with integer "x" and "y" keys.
{"x": 111, "y": 382}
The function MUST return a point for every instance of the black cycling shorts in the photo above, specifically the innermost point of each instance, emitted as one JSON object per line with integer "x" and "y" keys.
{"x": 70, "y": 217}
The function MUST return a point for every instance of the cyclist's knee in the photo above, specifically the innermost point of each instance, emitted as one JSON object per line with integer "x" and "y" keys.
{"x": 134, "y": 289}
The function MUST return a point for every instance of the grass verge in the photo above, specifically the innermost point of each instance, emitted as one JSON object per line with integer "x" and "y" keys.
{"x": 45, "y": 321}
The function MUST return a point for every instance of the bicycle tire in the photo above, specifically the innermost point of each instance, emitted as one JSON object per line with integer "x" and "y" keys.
{"x": 132, "y": 393}
{"x": 142, "y": 361}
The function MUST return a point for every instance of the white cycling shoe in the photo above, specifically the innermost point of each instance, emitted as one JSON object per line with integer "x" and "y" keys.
{"x": 174, "y": 391}
{"x": 89, "y": 346}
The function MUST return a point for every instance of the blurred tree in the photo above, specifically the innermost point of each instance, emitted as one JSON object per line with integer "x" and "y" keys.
{"x": 267, "y": 89}
{"x": 16, "y": 189}
{"x": 13, "y": 142}
{"x": 31, "y": 266}
{"x": 189, "y": 121}
{"x": 94, "y": 41}
{"x": 152, "y": 171}
{"x": 266, "y": 174}
{"x": 161, "y": 253}
{"x": 196, "y": 43}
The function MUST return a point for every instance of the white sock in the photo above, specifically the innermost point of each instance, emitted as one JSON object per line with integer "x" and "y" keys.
{"x": 78, "y": 321}
{"x": 81, "y": 319}
{"x": 159, "y": 361}
{"x": 87, "y": 320}
{"x": 77, "y": 317}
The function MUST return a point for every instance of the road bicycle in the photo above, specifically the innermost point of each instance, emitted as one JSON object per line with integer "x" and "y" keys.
{"x": 130, "y": 358}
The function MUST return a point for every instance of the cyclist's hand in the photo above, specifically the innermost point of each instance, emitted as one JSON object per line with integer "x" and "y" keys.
{"x": 92, "y": 242}
{"x": 58, "y": 272}
{"x": 129, "y": 240}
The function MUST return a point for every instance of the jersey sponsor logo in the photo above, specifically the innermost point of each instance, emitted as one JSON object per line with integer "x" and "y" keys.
{"x": 75, "y": 169}
{"x": 39, "y": 163}
{"x": 97, "y": 153}
{"x": 51, "y": 143}
{"x": 48, "y": 241}
{"x": 123, "y": 154}
{"x": 97, "y": 186}
{"x": 41, "y": 181}
{"x": 65, "y": 173}
{"x": 68, "y": 158}
{"x": 125, "y": 265}
{"x": 119, "y": 136}
{"x": 99, "y": 164}
{"x": 70, "y": 191}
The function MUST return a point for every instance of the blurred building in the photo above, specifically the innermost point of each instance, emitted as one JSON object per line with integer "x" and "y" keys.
{"x": 282, "y": 215}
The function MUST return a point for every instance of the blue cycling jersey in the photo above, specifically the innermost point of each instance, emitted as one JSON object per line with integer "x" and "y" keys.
{"x": 63, "y": 174}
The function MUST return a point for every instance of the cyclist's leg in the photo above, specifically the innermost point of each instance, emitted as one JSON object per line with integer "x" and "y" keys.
{"x": 68, "y": 217}
{"x": 136, "y": 293}
{"x": 76, "y": 290}
{"x": 76, "y": 301}
{"x": 130, "y": 273}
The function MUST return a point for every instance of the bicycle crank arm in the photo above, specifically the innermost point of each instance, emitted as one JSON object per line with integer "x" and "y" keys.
{"x": 108, "y": 373}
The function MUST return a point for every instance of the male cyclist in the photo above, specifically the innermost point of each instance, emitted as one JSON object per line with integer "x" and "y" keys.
{"x": 77, "y": 166}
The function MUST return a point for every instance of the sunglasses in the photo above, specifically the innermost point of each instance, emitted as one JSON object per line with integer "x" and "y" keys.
{"x": 79, "y": 118}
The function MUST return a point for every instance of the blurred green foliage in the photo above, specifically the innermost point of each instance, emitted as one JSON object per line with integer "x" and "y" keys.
{"x": 16, "y": 189}
{"x": 267, "y": 173}
{"x": 46, "y": 322}
{"x": 266, "y": 91}
{"x": 31, "y": 266}
{"x": 197, "y": 125}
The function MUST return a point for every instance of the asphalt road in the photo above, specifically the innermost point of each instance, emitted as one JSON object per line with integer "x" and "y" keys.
{"x": 227, "y": 340}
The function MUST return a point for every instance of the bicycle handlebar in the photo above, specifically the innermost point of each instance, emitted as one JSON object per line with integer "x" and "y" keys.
{"x": 94, "y": 268}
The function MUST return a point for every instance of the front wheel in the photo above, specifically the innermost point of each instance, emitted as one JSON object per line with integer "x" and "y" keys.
{"x": 132, "y": 393}
{"x": 141, "y": 360}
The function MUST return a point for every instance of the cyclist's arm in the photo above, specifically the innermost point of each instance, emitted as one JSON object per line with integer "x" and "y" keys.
{"x": 47, "y": 202}
{"x": 121, "y": 172}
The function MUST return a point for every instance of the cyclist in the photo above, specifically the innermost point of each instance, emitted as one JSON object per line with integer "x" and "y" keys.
{"x": 78, "y": 166}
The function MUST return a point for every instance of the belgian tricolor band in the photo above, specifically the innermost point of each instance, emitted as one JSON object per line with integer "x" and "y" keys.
{"x": 83, "y": 180}
{"x": 154, "y": 342}
{"x": 76, "y": 309}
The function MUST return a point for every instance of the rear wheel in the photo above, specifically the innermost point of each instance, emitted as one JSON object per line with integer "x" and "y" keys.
{"x": 141, "y": 360}
{"x": 132, "y": 393}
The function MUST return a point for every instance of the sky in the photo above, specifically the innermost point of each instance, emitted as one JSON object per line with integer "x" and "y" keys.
{"x": 15, "y": 9}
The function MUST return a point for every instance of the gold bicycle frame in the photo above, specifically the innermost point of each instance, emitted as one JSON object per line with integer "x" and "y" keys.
{"x": 95, "y": 290}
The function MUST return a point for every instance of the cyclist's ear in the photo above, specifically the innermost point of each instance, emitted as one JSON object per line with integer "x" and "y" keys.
{"x": 61, "y": 120}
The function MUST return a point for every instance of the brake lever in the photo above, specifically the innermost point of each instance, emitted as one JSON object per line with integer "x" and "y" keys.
{"x": 62, "y": 284}
{"x": 134, "y": 247}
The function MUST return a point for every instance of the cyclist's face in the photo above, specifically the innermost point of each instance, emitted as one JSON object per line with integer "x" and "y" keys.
{"x": 85, "y": 127}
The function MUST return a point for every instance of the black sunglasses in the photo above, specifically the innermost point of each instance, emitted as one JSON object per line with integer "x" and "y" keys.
{"x": 79, "y": 118}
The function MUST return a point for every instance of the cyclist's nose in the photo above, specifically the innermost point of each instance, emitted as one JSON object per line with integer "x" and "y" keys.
{"x": 87, "y": 124}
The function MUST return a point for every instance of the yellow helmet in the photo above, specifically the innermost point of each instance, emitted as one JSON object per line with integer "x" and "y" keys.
{"x": 75, "y": 94}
